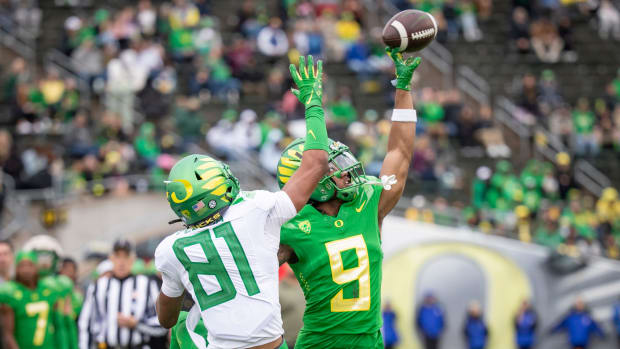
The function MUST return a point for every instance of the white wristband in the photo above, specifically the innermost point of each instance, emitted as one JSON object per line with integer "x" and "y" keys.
{"x": 404, "y": 115}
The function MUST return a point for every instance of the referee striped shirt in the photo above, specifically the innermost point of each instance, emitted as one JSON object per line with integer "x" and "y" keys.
{"x": 108, "y": 297}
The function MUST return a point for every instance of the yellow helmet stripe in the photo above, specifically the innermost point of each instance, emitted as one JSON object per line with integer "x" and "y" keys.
{"x": 210, "y": 173}
{"x": 285, "y": 171}
{"x": 290, "y": 162}
{"x": 293, "y": 154}
{"x": 213, "y": 183}
{"x": 208, "y": 165}
{"x": 221, "y": 190}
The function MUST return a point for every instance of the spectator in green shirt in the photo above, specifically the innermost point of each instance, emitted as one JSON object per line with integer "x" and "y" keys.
{"x": 584, "y": 122}
{"x": 548, "y": 235}
{"x": 146, "y": 144}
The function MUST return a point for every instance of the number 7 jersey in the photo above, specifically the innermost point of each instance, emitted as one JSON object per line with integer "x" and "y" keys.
{"x": 339, "y": 264}
{"x": 231, "y": 271}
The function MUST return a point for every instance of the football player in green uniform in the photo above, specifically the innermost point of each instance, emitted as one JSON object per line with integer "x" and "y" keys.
{"x": 26, "y": 309}
{"x": 48, "y": 252}
{"x": 334, "y": 244}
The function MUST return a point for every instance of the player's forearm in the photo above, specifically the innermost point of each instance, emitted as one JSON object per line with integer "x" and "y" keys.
{"x": 301, "y": 185}
{"x": 8, "y": 338}
{"x": 314, "y": 159}
{"x": 168, "y": 310}
{"x": 7, "y": 322}
{"x": 316, "y": 131}
{"x": 403, "y": 99}
{"x": 401, "y": 138}
{"x": 399, "y": 150}
{"x": 402, "y": 132}
{"x": 9, "y": 341}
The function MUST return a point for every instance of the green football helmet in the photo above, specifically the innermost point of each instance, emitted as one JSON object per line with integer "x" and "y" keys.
{"x": 340, "y": 160}
{"x": 48, "y": 252}
{"x": 199, "y": 188}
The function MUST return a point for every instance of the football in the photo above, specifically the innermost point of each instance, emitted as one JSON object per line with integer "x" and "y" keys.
{"x": 410, "y": 30}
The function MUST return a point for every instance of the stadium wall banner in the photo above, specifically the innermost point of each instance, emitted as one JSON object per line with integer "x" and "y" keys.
{"x": 505, "y": 284}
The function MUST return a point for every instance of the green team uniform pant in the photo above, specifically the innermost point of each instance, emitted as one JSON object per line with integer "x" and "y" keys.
{"x": 307, "y": 339}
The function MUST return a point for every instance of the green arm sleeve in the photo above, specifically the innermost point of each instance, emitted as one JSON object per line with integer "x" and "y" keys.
{"x": 316, "y": 132}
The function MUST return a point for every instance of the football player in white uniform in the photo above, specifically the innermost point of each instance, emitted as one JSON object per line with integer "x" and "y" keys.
{"x": 226, "y": 259}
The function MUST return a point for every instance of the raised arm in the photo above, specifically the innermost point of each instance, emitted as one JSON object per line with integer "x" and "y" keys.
{"x": 402, "y": 133}
{"x": 314, "y": 160}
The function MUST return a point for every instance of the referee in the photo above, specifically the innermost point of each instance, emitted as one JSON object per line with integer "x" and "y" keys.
{"x": 119, "y": 310}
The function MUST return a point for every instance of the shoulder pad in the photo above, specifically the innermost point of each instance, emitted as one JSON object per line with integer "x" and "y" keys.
{"x": 50, "y": 281}
{"x": 263, "y": 199}
{"x": 65, "y": 282}
{"x": 164, "y": 251}
{"x": 8, "y": 287}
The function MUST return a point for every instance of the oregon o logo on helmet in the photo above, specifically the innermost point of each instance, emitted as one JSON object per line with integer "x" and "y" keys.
{"x": 188, "y": 191}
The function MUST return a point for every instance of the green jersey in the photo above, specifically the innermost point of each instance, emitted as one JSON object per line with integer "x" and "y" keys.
{"x": 65, "y": 322}
{"x": 34, "y": 323}
{"x": 339, "y": 266}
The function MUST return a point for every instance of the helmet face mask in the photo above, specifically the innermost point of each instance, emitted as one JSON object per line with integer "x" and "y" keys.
{"x": 47, "y": 262}
{"x": 343, "y": 163}
{"x": 199, "y": 188}
{"x": 343, "y": 181}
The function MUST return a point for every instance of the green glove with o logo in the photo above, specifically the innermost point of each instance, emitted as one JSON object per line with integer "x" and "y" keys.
{"x": 404, "y": 68}
{"x": 308, "y": 81}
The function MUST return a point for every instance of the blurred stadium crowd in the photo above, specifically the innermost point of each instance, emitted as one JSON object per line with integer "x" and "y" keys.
{"x": 153, "y": 80}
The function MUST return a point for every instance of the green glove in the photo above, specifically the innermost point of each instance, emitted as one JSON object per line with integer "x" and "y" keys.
{"x": 308, "y": 81}
{"x": 404, "y": 69}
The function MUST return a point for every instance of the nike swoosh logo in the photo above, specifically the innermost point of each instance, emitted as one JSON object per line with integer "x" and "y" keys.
{"x": 312, "y": 133}
{"x": 359, "y": 209}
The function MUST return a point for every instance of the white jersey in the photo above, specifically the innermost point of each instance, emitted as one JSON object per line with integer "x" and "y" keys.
{"x": 231, "y": 271}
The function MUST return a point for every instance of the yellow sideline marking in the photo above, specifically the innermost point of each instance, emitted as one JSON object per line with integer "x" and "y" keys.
{"x": 507, "y": 286}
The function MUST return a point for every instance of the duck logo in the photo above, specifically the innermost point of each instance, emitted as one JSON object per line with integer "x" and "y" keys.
{"x": 305, "y": 226}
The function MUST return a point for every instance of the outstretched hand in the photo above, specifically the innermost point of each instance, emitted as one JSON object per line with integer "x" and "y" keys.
{"x": 404, "y": 68}
{"x": 308, "y": 81}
